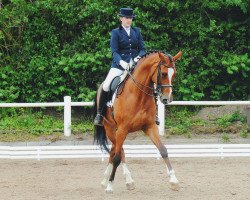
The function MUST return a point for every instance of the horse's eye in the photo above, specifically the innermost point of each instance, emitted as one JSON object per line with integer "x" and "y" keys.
{"x": 164, "y": 75}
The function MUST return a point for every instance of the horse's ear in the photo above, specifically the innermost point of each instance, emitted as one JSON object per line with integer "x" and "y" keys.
{"x": 177, "y": 56}
{"x": 162, "y": 57}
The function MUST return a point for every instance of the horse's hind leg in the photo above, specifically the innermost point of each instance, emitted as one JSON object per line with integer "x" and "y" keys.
{"x": 108, "y": 170}
{"x": 153, "y": 133}
{"x": 110, "y": 133}
{"x": 119, "y": 139}
{"x": 129, "y": 181}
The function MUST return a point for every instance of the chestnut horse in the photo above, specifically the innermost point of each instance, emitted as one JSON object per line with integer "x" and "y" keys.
{"x": 133, "y": 110}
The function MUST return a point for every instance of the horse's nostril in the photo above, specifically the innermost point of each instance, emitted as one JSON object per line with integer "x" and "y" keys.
{"x": 165, "y": 101}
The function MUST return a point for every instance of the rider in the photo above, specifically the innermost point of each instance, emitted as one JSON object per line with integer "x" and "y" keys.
{"x": 127, "y": 46}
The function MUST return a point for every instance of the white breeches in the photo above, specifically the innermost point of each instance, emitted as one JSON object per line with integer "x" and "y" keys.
{"x": 113, "y": 72}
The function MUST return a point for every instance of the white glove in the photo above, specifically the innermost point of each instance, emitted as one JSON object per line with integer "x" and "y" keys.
{"x": 124, "y": 65}
{"x": 137, "y": 58}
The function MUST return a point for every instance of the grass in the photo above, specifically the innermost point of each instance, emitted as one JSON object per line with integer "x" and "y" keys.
{"x": 225, "y": 137}
{"x": 29, "y": 125}
{"x": 227, "y": 120}
{"x": 184, "y": 122}
{"x": 244, "y": 133}
{"x": 26, "y": 125}
{"x": 181, "y": 122}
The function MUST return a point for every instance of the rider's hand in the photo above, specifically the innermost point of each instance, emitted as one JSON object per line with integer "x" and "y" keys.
{"x": 137, "y": 58}
{"x": 124, "y": 65}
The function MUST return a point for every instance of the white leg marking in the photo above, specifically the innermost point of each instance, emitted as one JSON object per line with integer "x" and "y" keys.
{"x": 109, "y": 188}
{"x": 107, "y": 175}
{"x": 129, "y": 181}
{"x": 174, "y": 183}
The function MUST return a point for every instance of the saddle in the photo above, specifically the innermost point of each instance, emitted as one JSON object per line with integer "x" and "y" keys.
{"x": 116, "y": 88}
{"x": 117, "y": 85}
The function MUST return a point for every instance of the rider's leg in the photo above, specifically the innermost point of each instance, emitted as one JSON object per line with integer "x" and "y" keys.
{"x": 102, "y": 101}
{"x": 113, "y": 72}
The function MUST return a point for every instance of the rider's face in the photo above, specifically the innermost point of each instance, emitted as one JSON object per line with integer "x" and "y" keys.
{"x": 126, "y": 21}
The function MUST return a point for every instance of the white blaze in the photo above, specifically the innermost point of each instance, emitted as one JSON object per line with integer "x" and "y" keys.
{"x": 170, "y": 75}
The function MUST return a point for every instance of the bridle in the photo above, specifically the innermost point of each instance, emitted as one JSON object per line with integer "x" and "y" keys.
{"x": 159, "y": 86}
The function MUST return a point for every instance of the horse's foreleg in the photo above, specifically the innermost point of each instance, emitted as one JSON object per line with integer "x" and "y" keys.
{"x": 129, "y": 181}
{"x": 153, "y": 133}
{"x": 120, "y": 137}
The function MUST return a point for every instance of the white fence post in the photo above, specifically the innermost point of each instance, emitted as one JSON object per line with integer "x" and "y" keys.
{"x": 161, "y": 115}
{"x": 67, "y": 115}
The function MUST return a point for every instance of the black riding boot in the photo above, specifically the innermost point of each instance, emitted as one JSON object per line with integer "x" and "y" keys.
{"x": 102, "y": 104}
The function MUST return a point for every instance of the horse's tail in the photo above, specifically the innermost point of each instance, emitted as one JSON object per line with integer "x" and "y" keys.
{"x": 100, "y": 137}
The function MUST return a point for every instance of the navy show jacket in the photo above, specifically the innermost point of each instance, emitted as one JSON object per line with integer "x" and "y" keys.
{"x": 125, "y": 47}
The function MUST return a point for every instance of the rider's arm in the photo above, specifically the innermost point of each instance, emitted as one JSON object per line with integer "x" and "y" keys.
{"x": 114, "y": 47}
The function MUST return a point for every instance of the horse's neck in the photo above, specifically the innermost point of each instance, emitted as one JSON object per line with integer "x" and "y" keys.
{"x": 143, "y": 73}
{"x": 143, "y": 76}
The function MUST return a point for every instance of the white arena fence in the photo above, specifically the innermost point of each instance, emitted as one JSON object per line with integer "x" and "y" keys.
{"x": 67, "y": 104}
{"x": 148, "y": 151}
{"x": 132, "y": 151}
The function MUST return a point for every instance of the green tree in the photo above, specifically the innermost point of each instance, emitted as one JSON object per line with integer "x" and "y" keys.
{"x": 52, "y": 48}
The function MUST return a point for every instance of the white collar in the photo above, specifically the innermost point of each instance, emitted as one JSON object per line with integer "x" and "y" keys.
{"x": 127, "y": 30}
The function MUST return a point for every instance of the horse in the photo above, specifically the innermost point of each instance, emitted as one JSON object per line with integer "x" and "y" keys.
{"x": 134, "y": 110}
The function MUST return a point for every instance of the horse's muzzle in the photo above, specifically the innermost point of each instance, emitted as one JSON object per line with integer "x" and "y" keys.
{"x": 165, "y": 99}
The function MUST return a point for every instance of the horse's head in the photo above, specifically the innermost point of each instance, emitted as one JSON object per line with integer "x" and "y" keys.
{"x": 164, "y": 76}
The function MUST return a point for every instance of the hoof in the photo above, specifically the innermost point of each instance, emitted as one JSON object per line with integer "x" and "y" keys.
{"x": 174, "y": 186}
{"x": 130, "y": 186}
{"x": 109, "y": 191}
{"x": 109, "y": 188}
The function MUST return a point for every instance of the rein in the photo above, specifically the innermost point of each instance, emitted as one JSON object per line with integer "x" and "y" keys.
{"x": 138, "y": 84}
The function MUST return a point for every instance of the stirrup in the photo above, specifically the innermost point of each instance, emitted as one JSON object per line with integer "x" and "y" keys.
{"x": 157, "y": 121}
{"x": 98, "y": 120}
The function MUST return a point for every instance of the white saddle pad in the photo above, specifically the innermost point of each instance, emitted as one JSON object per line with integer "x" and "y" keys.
{"x": 110, "y": 103}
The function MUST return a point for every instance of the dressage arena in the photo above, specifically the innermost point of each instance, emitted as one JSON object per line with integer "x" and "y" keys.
{"x": 69, "y": 179}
